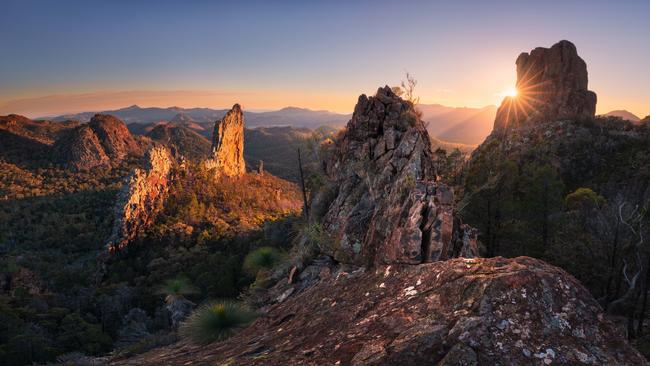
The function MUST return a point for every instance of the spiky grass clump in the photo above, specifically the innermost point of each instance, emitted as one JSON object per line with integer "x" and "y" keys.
{"x": 176, "y": 288}
{"x": 216, "y": 321}
{"x": 263, "y": 258}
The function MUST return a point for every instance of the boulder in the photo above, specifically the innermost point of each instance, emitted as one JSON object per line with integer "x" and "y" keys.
{"x": 551, "y": 85}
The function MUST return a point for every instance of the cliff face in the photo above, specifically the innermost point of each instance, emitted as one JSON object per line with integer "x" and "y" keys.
{"x": 141, "y": 198}
{"x": 388, "y": 206}
{"x": 551, "y": 85}
{"x": 493, "y": 311}
{"x": 228, "y": 144}
{"x": 103, "y": 140}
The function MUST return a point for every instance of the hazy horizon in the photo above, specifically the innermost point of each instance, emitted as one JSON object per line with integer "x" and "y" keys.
{"x": 85, "y": 56}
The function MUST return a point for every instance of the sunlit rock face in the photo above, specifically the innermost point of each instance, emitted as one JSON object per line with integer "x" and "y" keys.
{"x": 141, "y": 198}
{"x": 228, "y": 144}
{"x": 388, "y": 206}
{"x": 551, "y": 85}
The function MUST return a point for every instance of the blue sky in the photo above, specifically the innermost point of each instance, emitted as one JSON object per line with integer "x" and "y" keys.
{"x": 307, "y": 53}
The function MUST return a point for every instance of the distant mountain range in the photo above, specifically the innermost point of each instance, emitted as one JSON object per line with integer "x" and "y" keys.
{"x": 461, "y": 125}
{"x": 624, "y": 115}
{"x": 290, "y": 116}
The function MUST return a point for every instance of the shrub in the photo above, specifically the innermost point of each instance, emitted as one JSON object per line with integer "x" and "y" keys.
{"x": 583, "y": 198}
{"x": 262, "y": 258}
{"x": 176, "y": 288}
{"x": 215, "y": 321}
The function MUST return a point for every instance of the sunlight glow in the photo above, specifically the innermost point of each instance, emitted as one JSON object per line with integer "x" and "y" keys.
{"x": 512, "y": 92}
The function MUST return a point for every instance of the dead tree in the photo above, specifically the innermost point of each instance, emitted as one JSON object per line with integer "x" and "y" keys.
{"x": 305, "y": 210}
{"x": 633, "y": 268}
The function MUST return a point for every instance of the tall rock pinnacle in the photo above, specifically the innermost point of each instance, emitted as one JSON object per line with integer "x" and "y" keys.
{"x": 228, "y": 144}
{"x": 551, "y": 85}
{"x": 388, "y": 206}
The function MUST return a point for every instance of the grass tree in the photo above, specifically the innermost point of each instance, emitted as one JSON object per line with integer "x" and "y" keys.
{"x": 216, "y": 321}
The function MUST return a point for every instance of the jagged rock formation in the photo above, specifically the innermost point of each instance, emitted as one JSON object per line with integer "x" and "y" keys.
{"x": 228, "y": 144}
{"x": 103, "y": 140}
{"x": 388, "y": 207}
{"x": 141, "y": 198}
{"x": 551, "y": 85}
{"x": 493, "y": 311}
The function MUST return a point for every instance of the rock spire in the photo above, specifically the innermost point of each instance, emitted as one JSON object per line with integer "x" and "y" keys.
{"x": 551, "y": 85}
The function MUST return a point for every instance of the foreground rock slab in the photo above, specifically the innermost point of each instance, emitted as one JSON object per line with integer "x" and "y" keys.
{"x": 494, "y": 311}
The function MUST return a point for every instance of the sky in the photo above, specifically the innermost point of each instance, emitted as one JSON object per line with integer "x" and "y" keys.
{"x": 62, "y": 56}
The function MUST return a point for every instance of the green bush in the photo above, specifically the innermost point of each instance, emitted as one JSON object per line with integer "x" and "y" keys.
{"x": 216, "y": 321}
{"x": 176, "y": 288}
{"x": 583, "y": 198}
{"x": 263, "y": 258}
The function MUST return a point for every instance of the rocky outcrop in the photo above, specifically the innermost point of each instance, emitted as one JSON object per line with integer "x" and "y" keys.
{"x": 388, "y": 207}
{"x": 103, "y": 140}
{"x": 114, "y": 136}
{"x": 141, "y": 198}
{"x": 551, "y": 85}
{"x": 493, "y": 311}
{"x": 228, "y": 145}
{"x": 81, "y": 149}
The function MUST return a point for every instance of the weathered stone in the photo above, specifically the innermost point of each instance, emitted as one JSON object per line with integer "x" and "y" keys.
{"x": 389, "y": 207}
{"x": 228, "y": 145}
{"x": 141, "y": 198}
{"x": 492, "y": 311}
{"x": 551, "y": 85}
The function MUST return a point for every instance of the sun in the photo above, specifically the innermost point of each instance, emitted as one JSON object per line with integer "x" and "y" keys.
{"x": 512, "y": 92}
